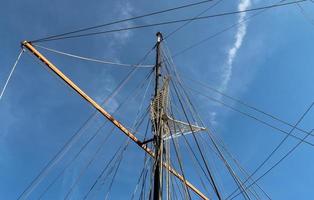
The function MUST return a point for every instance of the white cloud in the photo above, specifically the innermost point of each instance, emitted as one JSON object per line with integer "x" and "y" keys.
{"x": 121, "y": 10}
{"x": 124, "y": 10}
{"x": 212, "y": 118}
{"x": 233, "y": 50}
{"x": 107, "y": 87}
{"x": 112, "y": 105}
{"x": 232, "y": 53}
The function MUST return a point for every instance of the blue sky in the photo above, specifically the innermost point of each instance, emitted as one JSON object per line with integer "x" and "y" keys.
{"x": 266, "y": 62}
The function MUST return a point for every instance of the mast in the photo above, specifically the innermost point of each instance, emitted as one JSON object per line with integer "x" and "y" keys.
{"x": 157, "y": 193}
{"x": 107, "y": 115}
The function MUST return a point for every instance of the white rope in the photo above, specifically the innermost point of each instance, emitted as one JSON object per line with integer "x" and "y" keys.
{"x": 92, "y": 59}
{"x": 11, "y": 72}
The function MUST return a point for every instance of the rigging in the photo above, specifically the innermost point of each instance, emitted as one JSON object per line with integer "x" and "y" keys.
{"x": 172, "y": 22}
{"x": 109, "y": 117}
{"x": 120, "y": 21}
{"x": 277, "y": 147}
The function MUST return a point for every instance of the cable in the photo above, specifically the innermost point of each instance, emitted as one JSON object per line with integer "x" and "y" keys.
{"x": 286, "y": 155}
{"x": 193, "y": 154}
{"x": 211, "y": 181}
{"x": 197, "y": 143}
{"x": 221, "y": 31}
{"x": 92, "y": 59}
{"x": 123, "y": 20}
{"x": 247, "y": 105}
{"x": 180, "y": 164}
{"x": 71, "y": 141}
{"x": 238, "y": 181}
{"x": 106, "y": 167}
{"x": 277, "y": 147}
{"x": 188, "y": 22}
{"x": 81, "y": 173}
{"x": 144, "y": 170}
{"x": 191, "y": 149}
{"x": 174, "y": 21}
{"x": 130, "y": 96}
{"x": 277, "y": 163}
{"x": 248, "y": 115}
{"x": 10, "y": 74}
{"x": 135, "y": 125}
{"x": 229, "y": 167}
{"x": 142, "y": 194}
{"x": 232, "y": 173}
{"x": 238, "y": 164}
{"x": 115, "y": 173}
{"x": 54, "y": 160}
{"x": 74, "y": 158}
{"x": 305, "y": 15}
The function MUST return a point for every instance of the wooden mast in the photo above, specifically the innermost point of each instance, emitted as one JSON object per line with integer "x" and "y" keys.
{"x": 157, "y": 190}
{"x": 129, "y": 134}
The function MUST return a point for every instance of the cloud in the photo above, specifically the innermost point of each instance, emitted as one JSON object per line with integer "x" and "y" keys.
{"x": 212, "y": 118}
{"x": 124, "y": 10}
{"x": 118, "y": 40}
{"x": 232, "y": 53}
{"x": 104, "y": 89}
{"x": 112, "y": 105}
{"x": 233, "y": 50}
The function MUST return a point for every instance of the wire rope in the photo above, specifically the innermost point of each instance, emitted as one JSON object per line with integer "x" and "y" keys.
{"x": 277, "y": 147}
{"x": 10, "y": 74}
{"x": 123, "y": 20}
{"x": 173, "y": 21}
{"x": 30, "y": 187}
{"x": 93, "y": 59}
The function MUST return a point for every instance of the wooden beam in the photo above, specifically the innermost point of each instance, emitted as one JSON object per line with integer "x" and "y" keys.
{"x": 69, "y": 82}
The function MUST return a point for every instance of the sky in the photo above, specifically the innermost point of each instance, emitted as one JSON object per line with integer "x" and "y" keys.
{"x": 266, "y": 62}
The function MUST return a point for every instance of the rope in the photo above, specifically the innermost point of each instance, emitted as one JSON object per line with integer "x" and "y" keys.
{"x": 34, "y": 183}
{"x": 246, "y": 104}
{"x": 277, "y": 147}
{"x": 173, "y": 21}
{"x": 93, "y": 157}
{"x": 238, "y": 181}
{"x": 212, "y": 181}
{"x": 275, "y": 165}
{"x": 10, "y": 75}
{"x": 188, "y": 22}
{"x": 117, "y": 162}
{"x": 130, "y": 96}
{"x": 94, "y": 60}
{"x": 197, "y": 142}
{"x": 278, "y": 162}
{"x": 123, "y": 20}
{"x": 250, "y": 116}
{"x": 144, "y": 170}
{"x": 193, "y": 153}
{"x": 305, "y": 14}
{"x": 222, "y": 31}
{"x": 106, "y": 167}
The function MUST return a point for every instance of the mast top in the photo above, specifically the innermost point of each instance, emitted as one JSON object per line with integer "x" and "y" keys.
{"x": 159, "y": 37}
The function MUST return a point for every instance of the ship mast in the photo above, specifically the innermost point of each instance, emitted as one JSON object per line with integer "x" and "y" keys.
{"x": 157, "y": 191}
{"x": 158, "y": 119}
